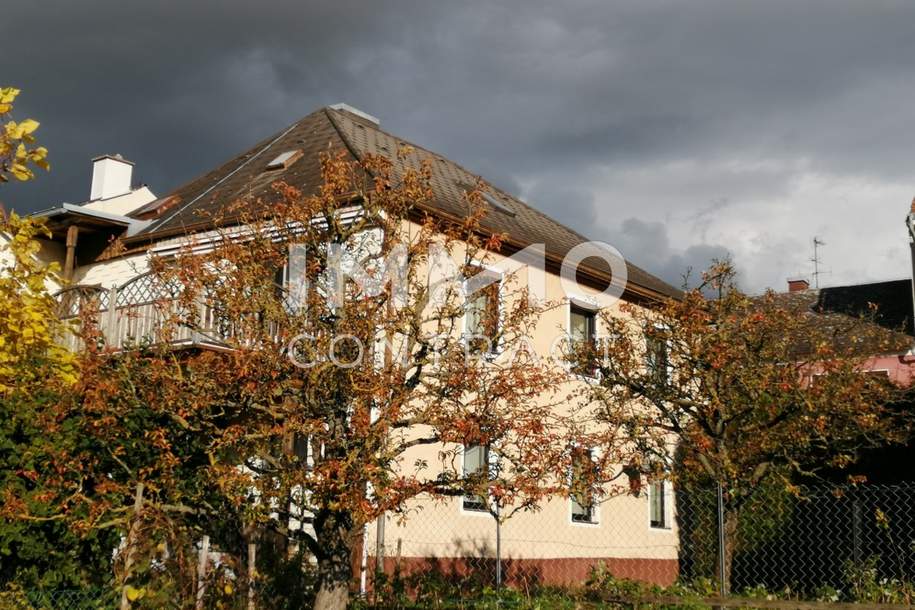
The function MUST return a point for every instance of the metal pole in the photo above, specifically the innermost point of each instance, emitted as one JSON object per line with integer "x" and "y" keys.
{"x": 856, "y": 529}
{"x": 379, "y": 547}
{"x": 722, "y": 544}
{"x": 363, "y": 566}
{"x": 498, "y": 549}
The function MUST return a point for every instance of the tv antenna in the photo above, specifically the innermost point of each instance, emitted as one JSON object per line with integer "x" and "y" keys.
{"x": 817, "y": 242}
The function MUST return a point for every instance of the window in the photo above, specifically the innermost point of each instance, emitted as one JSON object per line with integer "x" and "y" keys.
{"x": 476, "y": 461}
{"x": 582, "y": 335}
{"x": 494, "y": 202}
{"x": 657, "y": 505}
{"x": 657, "y": 359}
{"x": 482, "y": 316}
{"x": 291, "y": 281}
{"x": 285, "y": 159}
{"x": 582, "y": 480}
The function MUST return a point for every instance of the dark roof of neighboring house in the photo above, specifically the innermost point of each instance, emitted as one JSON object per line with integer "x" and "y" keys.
{"x": 892, "y": 306}
{"x": 192, "y": 206}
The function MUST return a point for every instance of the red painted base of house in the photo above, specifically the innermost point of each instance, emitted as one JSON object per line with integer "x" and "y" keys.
{"x": 521, "y": 573}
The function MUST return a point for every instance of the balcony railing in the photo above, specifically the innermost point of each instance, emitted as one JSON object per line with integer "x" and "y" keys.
{"x": 142, "y": 310}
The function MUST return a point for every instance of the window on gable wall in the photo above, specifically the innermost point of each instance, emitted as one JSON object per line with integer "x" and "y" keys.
{"x": 582, "y": 495}
{"x": 582, "y": 336}
{"x": 476, "y": 461}
{"x": 657, "y": 505}
{"x": 481, "y": 312}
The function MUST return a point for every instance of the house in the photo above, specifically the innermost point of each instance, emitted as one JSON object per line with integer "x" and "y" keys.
{"x": 633, "y": 536}
{"x": 890, "y": 304}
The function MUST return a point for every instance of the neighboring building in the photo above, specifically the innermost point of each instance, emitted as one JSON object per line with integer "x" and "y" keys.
{"x": 632, "y": 536}
{"x": 889, "y": 302}
{"x": 892, "y": 305}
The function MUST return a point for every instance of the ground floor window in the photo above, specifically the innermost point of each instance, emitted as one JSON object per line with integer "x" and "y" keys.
{"x": 657, "y": 502}
{"x": 476, "y": 460}
{"x": 582, "y": 494}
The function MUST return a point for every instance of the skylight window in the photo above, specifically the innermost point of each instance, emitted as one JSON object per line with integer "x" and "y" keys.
{"x": 284, "y": 159}
{"x": 494, "y": 202}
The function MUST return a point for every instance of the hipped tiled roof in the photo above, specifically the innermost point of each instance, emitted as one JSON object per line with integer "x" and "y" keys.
{"x": 192, "y": 206}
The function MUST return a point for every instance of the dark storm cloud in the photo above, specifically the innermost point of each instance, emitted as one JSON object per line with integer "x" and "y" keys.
{"x": 702, "y": 121}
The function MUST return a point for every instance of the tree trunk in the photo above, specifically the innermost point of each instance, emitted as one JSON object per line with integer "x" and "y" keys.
{"x": 335, "y": 534}
{"x": 731, "y": 522}
{"x": 131, "y": 543}
{"x": 252, "y": 572}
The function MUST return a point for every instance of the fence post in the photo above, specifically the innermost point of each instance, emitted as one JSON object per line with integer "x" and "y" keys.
{"x": 379, "y": 550}
{"x": 498, "y": 548}
{"x": 856, "y": 528}
{"x": 364, "y": 563}
{"x": 722, "y": 544}
{"x": 111, "y": 320}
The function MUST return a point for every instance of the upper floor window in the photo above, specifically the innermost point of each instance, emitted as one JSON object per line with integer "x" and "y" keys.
{"x": 292, "y": 278}
{"x": 657, "y": 358}
{"x": 582, "y": 337}
{"x": 481, "y": 311}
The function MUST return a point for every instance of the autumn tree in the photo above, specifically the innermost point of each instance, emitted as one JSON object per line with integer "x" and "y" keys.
{"x": 33, "y": 370}
{"x": 752, "y": 391}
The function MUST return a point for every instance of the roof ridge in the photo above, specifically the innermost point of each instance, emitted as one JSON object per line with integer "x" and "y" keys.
{"x": 328, "y": 112}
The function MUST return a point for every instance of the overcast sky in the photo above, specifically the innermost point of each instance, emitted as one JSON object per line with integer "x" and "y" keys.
{"x": 677, "y": 131}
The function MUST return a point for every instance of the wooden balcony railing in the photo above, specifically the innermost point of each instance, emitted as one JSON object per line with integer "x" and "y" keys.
{"x": 142, "y": 310}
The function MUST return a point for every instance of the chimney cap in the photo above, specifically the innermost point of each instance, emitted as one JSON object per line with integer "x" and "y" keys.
{"x": 343, "y": 107}
{"x": 115, "y": 157}
{"x": 798, "y": 284}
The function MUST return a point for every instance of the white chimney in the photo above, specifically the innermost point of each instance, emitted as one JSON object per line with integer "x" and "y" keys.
{"x": 111, "y": 175}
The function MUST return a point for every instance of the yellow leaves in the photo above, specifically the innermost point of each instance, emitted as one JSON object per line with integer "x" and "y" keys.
{"x": 16, "y": 158}
{"x": 7, "y": 97}
{"x": 20, "y": 131}
{"x": 133, "y": 594}
{"x": 883, "y": 522}
{"x": 29, "y": 327}
{"x": 8, "y": 94}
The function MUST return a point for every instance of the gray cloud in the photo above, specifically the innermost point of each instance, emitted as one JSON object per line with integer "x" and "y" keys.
{"x": 719, "y": 126}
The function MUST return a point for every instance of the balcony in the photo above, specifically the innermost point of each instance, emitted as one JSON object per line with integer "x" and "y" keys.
{"x": 143, "y": 310}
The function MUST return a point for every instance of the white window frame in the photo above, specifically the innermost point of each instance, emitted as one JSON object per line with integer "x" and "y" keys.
{"x": 668, "y": 494}
{"x": 670, "y": 368}
{"x": 595, "y": 520}
{"x": 500, "y": 304}
{"x": 473, "y": 511}
{"x": 590, "y": 304}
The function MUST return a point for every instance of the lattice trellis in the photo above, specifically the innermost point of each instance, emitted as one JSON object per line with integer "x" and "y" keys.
{"x": 144, "y": 289}
{"x": 77, "y": 299}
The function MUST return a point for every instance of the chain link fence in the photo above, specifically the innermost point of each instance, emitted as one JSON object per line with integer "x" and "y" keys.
{"x": 815, "y": 543}
{"x": 819, "y": 543}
